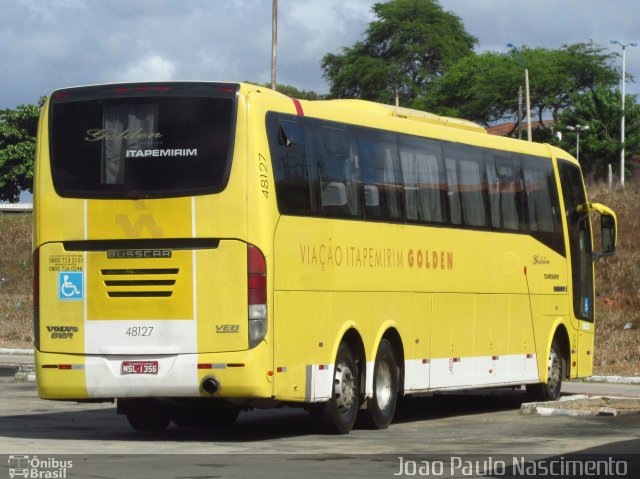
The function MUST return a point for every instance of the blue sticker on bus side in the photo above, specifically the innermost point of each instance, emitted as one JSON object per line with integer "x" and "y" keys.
{"x": 70, "y": 285}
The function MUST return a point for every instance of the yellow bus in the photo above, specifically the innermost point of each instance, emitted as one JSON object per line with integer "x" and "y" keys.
{"x": 203, "y": 248}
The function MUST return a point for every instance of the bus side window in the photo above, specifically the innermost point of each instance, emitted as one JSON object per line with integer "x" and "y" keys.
{"x": 541, "y": 195}
{"x": 453, "y": 191}
{"x": 467, "y": 186}
{"x": 380, "y": 175}
{"x": 294, "y": 186}
{"x": 422, "y": 178}
{"x": 510, "y": 187}
{"x": 493, "y": 187}
{"x": 338, "y": 170}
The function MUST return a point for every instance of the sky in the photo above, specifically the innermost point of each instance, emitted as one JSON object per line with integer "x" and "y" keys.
{"x": 49, "y": 44}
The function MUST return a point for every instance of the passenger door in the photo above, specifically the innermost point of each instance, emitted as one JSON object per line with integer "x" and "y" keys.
{"x": 580, "y": 248}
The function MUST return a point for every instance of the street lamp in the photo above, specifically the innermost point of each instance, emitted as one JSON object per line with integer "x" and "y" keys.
{"x": 526, "y": 87}
{"x": 578, "y": 129}
{"x": 624, "y": 80}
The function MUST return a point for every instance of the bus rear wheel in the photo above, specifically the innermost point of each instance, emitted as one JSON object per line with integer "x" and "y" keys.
{"x": 549, "y": 391}
{"x": 381, "y": 407}
{"x": 145, "y": 414}
{"x": 209, "y": 414}
{"x": 338, "y": 415}
{"x": 148, "y": 421}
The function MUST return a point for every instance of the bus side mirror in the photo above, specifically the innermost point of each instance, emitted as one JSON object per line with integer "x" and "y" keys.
{"x": 608, "y": 227}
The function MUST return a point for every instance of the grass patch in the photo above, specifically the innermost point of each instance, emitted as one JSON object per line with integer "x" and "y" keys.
{"x": 617, "y": 349}
{"x": 16, "y": 264}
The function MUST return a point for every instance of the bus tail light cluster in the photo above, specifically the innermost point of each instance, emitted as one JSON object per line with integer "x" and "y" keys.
{"x": 257, "y": 295}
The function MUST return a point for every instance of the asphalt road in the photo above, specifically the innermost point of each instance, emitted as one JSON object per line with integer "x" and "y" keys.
{"x": 283, "y": 443}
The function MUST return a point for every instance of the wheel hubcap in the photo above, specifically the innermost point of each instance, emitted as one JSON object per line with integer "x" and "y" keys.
{"x": 383, "y": 385}
{"x": 344, "y": 387}
{"x": 554, "y": 371}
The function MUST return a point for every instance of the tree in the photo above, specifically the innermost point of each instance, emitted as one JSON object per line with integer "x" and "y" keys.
{"x": 292, "y": 91}
{"x": 601, "y": 111}
{"x": 17, "y": 149}
{"x": 484, "y": 87}
{"x": 409, "y": 45}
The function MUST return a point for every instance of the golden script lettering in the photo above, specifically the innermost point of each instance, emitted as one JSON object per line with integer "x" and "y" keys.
{"x": 98, "y": 134}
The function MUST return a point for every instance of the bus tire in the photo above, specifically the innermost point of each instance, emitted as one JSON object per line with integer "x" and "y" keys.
{"x": 216, "y": 416}
{"x": 338, "y": 414}
{"x": 221, "y": 418}
{"x": 148, "y": 421}
{"x": 381, "y": 407}
{"x": 549, "y": 391}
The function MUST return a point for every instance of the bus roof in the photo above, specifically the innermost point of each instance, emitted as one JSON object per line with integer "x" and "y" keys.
{"x": 409, "y": 113}
{"x": 371, "y": 107}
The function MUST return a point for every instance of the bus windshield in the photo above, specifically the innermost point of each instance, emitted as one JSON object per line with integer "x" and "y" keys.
{"x": 149, "y": 143}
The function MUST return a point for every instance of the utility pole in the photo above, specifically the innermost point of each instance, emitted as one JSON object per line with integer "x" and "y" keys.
{"x": 624, "y": 80}
{"x": 274, "y": 42}
{"x": 520, "y": 112}
{"x": 526, "y": 87}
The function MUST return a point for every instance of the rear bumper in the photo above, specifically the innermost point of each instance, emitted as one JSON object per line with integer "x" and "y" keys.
{"x": 242, "y": 374}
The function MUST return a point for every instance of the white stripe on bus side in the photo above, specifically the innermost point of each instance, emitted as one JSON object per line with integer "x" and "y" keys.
{"x": 424, "y": 375}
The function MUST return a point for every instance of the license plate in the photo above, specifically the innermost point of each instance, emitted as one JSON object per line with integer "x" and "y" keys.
{"x": 139, "y": 367}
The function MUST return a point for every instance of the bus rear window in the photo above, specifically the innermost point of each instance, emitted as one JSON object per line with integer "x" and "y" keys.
{"x": 109, "y": 146}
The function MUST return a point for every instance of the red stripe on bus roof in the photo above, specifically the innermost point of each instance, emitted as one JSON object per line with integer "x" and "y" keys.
{"x": 299, "y": 109}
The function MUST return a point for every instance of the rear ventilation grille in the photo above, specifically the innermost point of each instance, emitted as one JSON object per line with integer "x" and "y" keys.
{"x": 128, "y": 283}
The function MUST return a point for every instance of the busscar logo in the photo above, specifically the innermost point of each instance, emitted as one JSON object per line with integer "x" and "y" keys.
{"x": 138, "y": 253}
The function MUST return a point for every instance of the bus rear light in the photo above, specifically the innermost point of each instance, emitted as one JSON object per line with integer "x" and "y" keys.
{"x": 257, "y": 311}
{"x": 256, "y": 263}
{"x": 142, "y": 89}
{"x": 65, "y": 367}
{"x": 61, "y": 95}
{"x": 256, "y": 295}
{"x": 225, "y": 89}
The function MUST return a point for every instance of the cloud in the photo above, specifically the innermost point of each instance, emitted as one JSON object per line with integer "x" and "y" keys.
{"x": 153, "y": 67}
{"x": 53, "y": 44}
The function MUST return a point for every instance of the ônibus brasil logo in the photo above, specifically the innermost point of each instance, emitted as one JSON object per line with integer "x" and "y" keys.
{"x": 38, "y": 468}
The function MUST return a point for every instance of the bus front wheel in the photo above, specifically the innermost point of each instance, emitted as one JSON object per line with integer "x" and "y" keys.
{"x": 338, "y": 415}
{"x": 549, "y": 391}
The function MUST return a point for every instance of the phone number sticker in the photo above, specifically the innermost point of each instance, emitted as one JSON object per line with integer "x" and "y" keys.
{"x": 66, "y": 262}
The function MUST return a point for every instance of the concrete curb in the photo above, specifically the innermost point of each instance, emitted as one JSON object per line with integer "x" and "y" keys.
{"x": 18, "y": 372}
{"x": 584, "y": 406}
{"x": 17, "y": 352}
{"x": 17, "y": 364}
{"x": 613, "y": 379}
{"x": 7, "y": 371}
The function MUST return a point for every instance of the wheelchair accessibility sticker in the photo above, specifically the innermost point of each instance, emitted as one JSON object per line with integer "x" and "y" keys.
{"x": 70, "y": 285}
